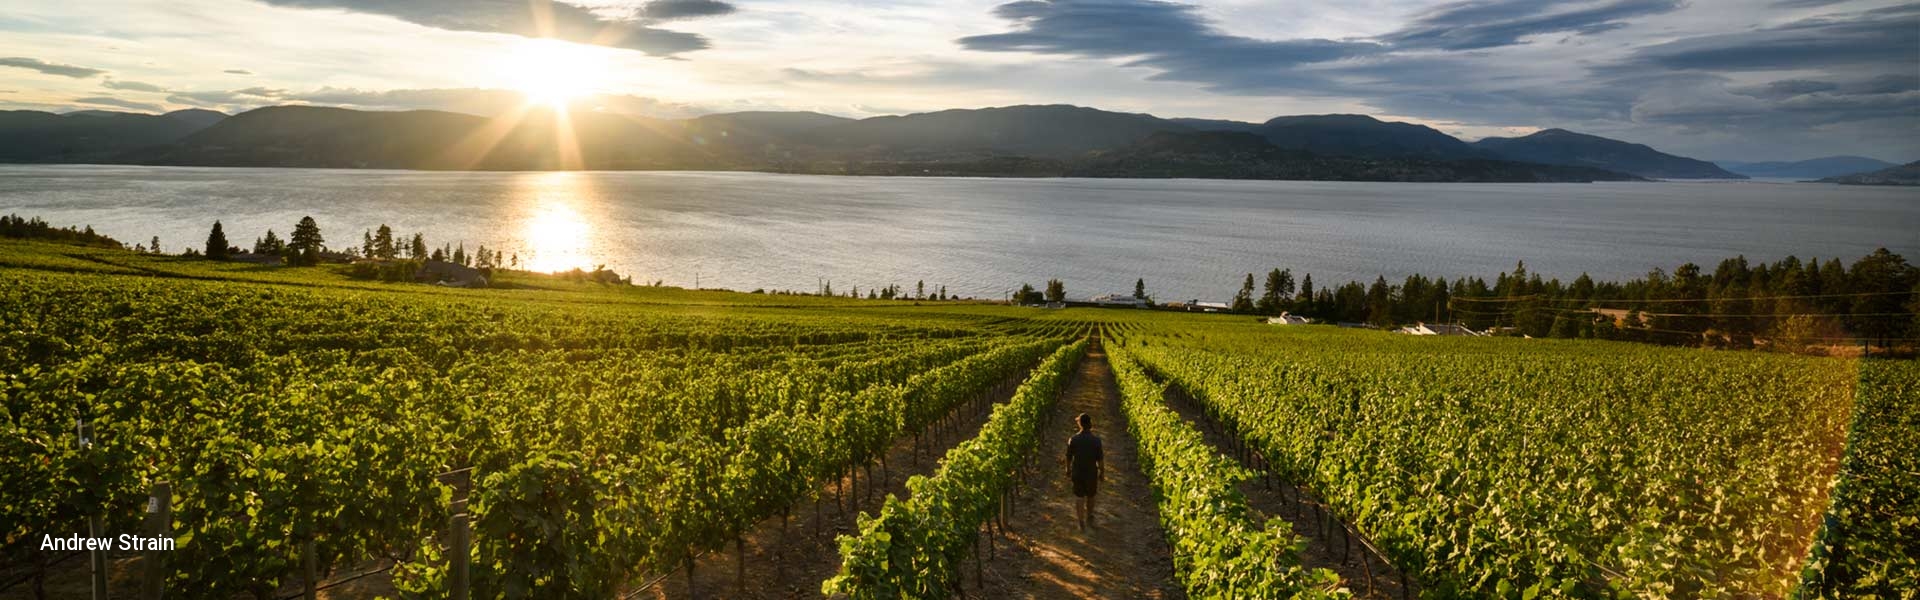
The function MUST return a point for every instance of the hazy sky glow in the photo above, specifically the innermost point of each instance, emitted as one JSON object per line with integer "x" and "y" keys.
{"x": 1717, "y": 79}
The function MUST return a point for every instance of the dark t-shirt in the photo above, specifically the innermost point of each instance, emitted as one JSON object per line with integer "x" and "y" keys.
{"x": 1083, "y": 453}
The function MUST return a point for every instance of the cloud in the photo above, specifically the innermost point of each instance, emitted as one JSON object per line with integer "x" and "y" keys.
{"x": 530, "y": 18}
{"x": 237, "y": 72}
{"x": 1480, "y": 24}
{"x": 245, "y": 98}
{"x": 132, "y": 86}
{"x": 42, "y": 66}
{"x": 118, "y": 103}
{"x": 1884, "y": 37}
{"x": 1173, "y": 39}
{"x": 670, "y": 10}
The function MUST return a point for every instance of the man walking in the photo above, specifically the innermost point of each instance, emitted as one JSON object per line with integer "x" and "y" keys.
{"x": 1087, "y": 466}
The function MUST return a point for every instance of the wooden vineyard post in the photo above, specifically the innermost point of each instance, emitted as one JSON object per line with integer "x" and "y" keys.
{"x": 310, "y": 568}
{"x": 96, "y": 528}
{"x": 159, "y": 525}
{"x": 459, "y": 534}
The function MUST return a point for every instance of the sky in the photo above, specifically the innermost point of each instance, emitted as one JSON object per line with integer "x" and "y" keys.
{"x": 1712, "y": 79}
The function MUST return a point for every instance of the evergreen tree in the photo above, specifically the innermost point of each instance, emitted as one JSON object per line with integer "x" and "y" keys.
{"x": 460, "y": 254}
{"x": 1277, "y": 292}
{"x": 1243, "y": 300}
{"x": 920, "y": 290}
{"x": 1056, "y": 291}
{"x": 366, "y": 243}
{"x": 383, "y": 243}
{"x": 418, "y": 249}
{"x": 1379, "y": 303}
{"x": 270, "y": 245}
{"x": 216, "y": 243}
{"x": 1304, "y": 302}
{"x": 1027, "y": 295}
{"x": 1140, "y": 289}
{"x": 306, "y": 244}
{"x": 154, "y": 246}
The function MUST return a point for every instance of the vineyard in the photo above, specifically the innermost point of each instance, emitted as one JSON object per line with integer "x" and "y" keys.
{"x": 569, "y": 440}
{"x": 1487, "y": 468}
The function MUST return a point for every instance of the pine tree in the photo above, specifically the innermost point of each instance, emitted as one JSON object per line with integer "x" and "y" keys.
{"x": 216, "y": 243}
{"x": 1140, "y": 289}
{"x": 1243, "y": 300}
{"x": 154, "y": 246}
{"x": 460, "y": 254}
{"x": 1304, "y": 302}
{"x": 306, "y": 243}
{"x": 270, "y": 245}
{"x": 366, "y": 243}
{"x": 920, "y": 290}
{"x": 1279, "y": 287}
{"x": 418, "y": 249}
{"x": 383, "y": 244}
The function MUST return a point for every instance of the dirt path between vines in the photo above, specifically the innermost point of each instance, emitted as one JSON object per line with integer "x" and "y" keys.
{"x": 1124, "y": 555}
{"x": 1328, "y": 547}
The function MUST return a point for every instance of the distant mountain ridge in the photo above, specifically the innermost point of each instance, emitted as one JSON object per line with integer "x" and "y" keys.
{"x": 1907, "y": 174}
{"x": 1829, "y": 166}
{"x": 1011, "y": 140}
{"x": 92, "y": 135}
{"x": 1562, "y": 147}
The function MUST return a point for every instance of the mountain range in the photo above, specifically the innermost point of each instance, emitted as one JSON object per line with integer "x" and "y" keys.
{"x": 1907, "y": 174}
{"x": 1830, "y": 166}
{"x": 1051, "y": 140}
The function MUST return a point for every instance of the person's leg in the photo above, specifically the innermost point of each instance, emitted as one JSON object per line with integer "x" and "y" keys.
{"x": 1080, "y": 514}
{"x": 1089, "y": 511}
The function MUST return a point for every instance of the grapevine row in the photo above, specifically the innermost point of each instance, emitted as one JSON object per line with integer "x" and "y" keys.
{"x": 1219, "y": 551}
{"x": 913, "y": 547}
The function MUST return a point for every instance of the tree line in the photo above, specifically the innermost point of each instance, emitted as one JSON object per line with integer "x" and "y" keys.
{"x": 1875, "y": 299}
{"x": 17, "y": 227}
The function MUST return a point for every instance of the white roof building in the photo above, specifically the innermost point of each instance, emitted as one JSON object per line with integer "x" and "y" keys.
{"x": 1288, "y": 319}
{"x": 1437, "y": 329}
{"x": 1118, "y": 300}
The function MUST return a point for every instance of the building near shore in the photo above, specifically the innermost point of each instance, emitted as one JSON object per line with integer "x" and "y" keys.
{"x": 1288, "y": 319}
{"x": 1119, "y": 301}
{"x": 1438, "y": 329}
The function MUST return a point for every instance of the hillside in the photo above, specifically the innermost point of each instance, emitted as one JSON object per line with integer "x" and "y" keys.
{"x": 1237, "y": 155}
{"x": 1830, "y": 166}
{"x": 91, "y": 136}
{"x": 304, "y": 136}
{"x": 1907, "y": 174}
{"x": 1562, "y": 147}
{"x": 1364, "y": 136}
{"x": 1053, "y": 131}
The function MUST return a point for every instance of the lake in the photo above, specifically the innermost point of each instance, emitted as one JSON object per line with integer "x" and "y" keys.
{"x": 980, "y": 237}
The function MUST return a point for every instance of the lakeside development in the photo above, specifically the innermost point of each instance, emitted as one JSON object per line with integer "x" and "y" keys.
{"x": 605, "y": 439}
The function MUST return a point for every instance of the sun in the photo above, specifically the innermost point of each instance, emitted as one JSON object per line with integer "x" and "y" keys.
{"x": 553, "y": 73}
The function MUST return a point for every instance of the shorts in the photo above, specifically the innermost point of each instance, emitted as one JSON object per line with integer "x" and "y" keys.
{"x": 1085, "y": 487}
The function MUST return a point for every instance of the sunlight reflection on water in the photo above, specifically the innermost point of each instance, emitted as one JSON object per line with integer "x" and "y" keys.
{"x": 555, "y": 236}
